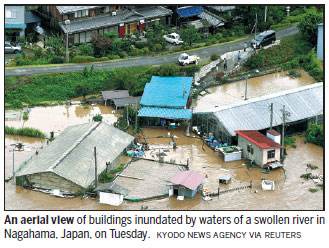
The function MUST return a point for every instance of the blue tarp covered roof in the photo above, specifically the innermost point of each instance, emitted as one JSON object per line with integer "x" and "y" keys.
{"x": 167, "y": 113}
{"x": 167, "y": 92}
{"x": 189, "y": 11}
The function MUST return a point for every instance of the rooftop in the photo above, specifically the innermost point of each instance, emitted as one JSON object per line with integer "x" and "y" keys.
{"x": 115, "y": 94}
{"x": 70, "y": 9}
{"x": 188, "y": 179}
{"x": 253, "y": 114}
{"x": 108, "y": 20}
{"x": 167, "y": 113}
{"x": 71, "y": 154}
{"x": 167, "y": 92}
{"x": 258, "y": 139}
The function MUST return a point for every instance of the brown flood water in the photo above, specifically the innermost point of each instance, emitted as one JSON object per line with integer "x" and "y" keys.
{"x": 57, "y": 118}
{"x": 291, "y": 192}
{"x": 259, "y": 86}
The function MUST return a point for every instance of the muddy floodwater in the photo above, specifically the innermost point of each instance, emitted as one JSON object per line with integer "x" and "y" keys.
{"x": 57, "y": 118}
{"x": 258, "y": 86}
{"x": 291, "y": 192}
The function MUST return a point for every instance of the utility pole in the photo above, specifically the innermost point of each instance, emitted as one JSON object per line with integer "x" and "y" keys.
{"x": 271, "y": 116}
{"x": 136, "y": 118}
{"x": 67, "y": 25}
{"x": 245, "y": 91}
{"x": 127, "y": 115}
{"x": 256, "y": 26}
{"x": 265, "y": 13}
{"x": 95, "y": 167}
{"x": 282, "y": 134}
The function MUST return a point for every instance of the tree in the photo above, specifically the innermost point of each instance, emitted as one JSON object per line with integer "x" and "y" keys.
{"x": 56, "y": 45}
{"x": 101, "y": 44}
{"x": 308, "y": 25}
{"x": 190, "y": 35}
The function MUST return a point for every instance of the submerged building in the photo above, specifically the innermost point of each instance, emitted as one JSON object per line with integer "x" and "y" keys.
{"x": 166, "y": 99}
{"x": 68, "y": 163}
{"x": 302, "y": 105}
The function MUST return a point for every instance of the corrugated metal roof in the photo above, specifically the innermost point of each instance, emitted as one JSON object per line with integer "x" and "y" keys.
{"x": 189, "y": 11}
{"x": 90, "y": 23}
{"x": 168, "y": 113}
{"x": 188, "y": 179}
{"x": 167, "y": 91}
{"x": 115, "y": 94}
{"x": 126, "y": 101}
{"x": 253, "y": 114}
{"x": 258, "y": 139}
{"x": 71, "y": 154}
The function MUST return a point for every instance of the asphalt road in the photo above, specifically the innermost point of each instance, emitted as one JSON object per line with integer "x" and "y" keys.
{"x": 204, "y": 54}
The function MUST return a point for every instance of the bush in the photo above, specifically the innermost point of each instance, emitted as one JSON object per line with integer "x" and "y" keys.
{"x": 83, "y": 59}
{"x": 105, "y": 177}
{"x": 86, "y": 50}
{"x": 25, "y": 115}
{"x": 123, "y": 54}
{"x": 214, "y": 57}
{"x": 103, "y": 59}
{"x": 218, "y": 36}
{"x": 98, "y": 118}
{"x": 113, "y": 56}
{"x": 56, "y": 60}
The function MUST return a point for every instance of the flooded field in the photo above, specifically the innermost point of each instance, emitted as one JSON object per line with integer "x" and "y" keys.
{"x": 259, "y": 86}
{"x": 57, "y": 118}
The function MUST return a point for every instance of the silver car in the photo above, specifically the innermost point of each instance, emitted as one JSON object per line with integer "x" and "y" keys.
{"x": 12, "y": 48}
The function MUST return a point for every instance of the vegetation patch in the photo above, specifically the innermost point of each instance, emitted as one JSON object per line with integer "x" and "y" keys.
{"x": 314, "y": 134}
{"x": 25, "y": 131}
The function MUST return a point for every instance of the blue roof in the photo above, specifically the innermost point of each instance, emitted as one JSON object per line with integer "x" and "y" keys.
{"x": 31, "y": 17}
{"x": 167, "y": 92}
{"x": 189, "y": 11}
{"x": 168, "y": 113}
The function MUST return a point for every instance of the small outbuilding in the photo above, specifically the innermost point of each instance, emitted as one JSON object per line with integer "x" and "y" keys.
{"x": 111, "y": 193}
{"x": 111, "y": 95}
{"x": 186, "y": 184}
{"x": 257, "y": 147}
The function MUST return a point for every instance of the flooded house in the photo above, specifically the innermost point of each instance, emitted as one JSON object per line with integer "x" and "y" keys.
{"x": 166, "y": 101}
{"x": 258, "y": 147}
{"x": 67, "y": 164}
{"x": 120, "y": 98}
{"x": 302, "y": 105}
{"x": 186, "y": 184}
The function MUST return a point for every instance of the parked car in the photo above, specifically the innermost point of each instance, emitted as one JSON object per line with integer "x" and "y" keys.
{"x": 263, "y": 39}
{"x": 173, "y": 38}
{"x": 185, "y": 59}
{"x": 12, "y": 48}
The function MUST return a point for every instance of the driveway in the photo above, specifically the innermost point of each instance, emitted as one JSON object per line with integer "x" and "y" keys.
{"x": 204, "y": 54}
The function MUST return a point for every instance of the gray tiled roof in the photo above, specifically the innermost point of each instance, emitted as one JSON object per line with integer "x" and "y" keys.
{"x": 212, "y": 19}
{"x": 71, "y": 154}
{"x": 31, "y": 17}
{"x": 70, "y": 9}
{"x": 126, "y": 16}
{"x": 222, "y": 8}
{"x": 115, "y": 94}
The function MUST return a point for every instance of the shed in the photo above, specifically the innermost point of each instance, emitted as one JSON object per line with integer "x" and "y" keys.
{"x": 68, "y": 163}
{"x": 257, "y": 147}
{"x": 303, "y": 103}
{"x": 125, "y": 101}
{"x": 114, "y": 94}
{"x": 186, "y": 184}
{"x": 231, "y": 153}
{"x": 111, "y": 193}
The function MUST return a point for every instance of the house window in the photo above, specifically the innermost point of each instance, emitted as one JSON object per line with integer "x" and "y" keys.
{"x": 130, "y": 28}
{"x": 88, "y": 36}
{"x": 270, "y": 154}
{"x": 82, "y": 37}
{"x": 76, "y": 38}
{"x": 10, "y": 14}
{"x": 84, "y": 12}
{"x": 250, "y": 149}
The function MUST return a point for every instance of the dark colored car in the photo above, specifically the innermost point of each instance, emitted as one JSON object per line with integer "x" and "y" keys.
{"x": 263, "y": 39}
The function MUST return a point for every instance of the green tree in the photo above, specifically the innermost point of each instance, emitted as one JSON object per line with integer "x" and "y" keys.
{"x": 314, "y": 134}
{"x": 308, "y": 24}
{"x": 190, "y": 35}
{"x": 56, "y": 45}
{"x": 101, "y": 44}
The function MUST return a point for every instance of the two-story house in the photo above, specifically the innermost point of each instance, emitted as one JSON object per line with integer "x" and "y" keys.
{"x": 14, "y": 22}
{"x": 86, "y": 20}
